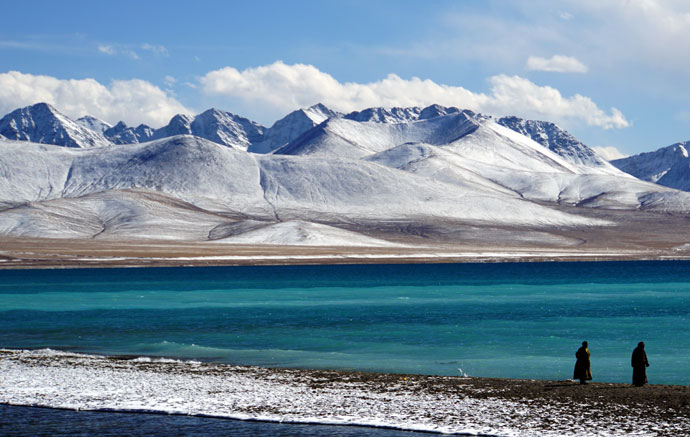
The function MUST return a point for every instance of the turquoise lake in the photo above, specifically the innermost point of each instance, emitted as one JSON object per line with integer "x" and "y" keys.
{"x": 513, "y": 320}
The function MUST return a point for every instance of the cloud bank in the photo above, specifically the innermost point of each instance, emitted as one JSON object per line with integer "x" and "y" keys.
{"x": 134, "y": 101}
{"x": 279, "y": 88}
{"x": 287, "y": 87}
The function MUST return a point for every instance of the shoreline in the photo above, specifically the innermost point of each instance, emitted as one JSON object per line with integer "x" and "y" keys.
{"x": 438, "y": 404}
{"x": 56, "y": 253}
{"x": 140, "y": 257}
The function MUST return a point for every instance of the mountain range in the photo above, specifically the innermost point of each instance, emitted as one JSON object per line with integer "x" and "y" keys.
{"x": 375, "y": 177}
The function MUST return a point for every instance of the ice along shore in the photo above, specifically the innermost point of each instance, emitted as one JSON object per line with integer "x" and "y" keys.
{"x": 456, "y": 405}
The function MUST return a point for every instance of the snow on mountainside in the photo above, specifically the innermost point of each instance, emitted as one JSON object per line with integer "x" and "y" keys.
{"x": 301, "y": 233}
{"x": 291, "y": 126}
{"x": 41, "y": 123}
{"x": 668, "y": 166}
{"x": 214, "y": 125}
{"x": 267, "y": 187}
{"x": 180, "y": 124}
{"x": 235, "y": 131}
{"x": 496, "y": 158}
{"x": 122, "y": 134}
{"x": 434, "y": 164}
{"x": 353, "y": 139}
{"x": 383, "y": 115}
{"x": 111, "y": 215}
{"x": 94, "y": 123}
{"x": 555, "y": 139}
{"x": 225, "y": 128}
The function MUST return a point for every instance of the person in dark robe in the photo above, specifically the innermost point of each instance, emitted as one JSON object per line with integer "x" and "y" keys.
{"x": 582, "y": 371}
{"x": 639, "y": 364}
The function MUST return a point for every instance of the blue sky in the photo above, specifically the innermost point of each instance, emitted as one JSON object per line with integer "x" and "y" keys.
{"x": 613, "y": 72}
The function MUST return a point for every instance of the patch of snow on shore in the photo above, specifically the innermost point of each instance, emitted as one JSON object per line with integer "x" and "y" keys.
{"x": 82, "y": 382}
{"x": 301, "y": 233}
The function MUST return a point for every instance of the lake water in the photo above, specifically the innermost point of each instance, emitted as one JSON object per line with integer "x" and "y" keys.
{"x": 514, "y": 320}
{"x": 30, "y": 421}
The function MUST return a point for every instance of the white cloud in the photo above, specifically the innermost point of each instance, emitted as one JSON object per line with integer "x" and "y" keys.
{"x": 556, "y": 64}
{"x": 609, "y": 153}
{"x": 279, "y": 88}
{"x": 169, "y": 80}
{"x": 519, "y": 96}
{"x": 108, "y": 50}
{"x": 112, "y": 50}
{"x": 155, "y": 49}
{"x": 134, "y": 101}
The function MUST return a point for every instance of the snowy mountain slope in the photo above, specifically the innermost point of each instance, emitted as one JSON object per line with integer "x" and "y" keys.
{"x": 123, "y": 134}
{"x": 438, "y": 164}
{"x": 437, "y": 111}
{"x": 182, "y": 166}
{"x": 214, "y": 125}
{"x": 110, "y": 215}
{"x": 555, "y": 139}
{"x": 496, "y": 158}
{"x": 434, "y": 164}
{"x": 180, "y": 124}
{"x": 225, "y": 128}
{"x": 384, "y": 115}
{"x": 291, "y": 127}
{"x": 301, "y": 233}
{"x": 668, "y": 166}
{"x": 347, "y": 138}
{"x": 222, "y": 179}
{"x": 41, "y": 123}
{"x": 94, "y": 124}
{"x": 32, "y": 172}
{"x": 187, "y": 167}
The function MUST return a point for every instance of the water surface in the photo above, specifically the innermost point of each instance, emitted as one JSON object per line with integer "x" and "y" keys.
{"x": 516, "y": 320}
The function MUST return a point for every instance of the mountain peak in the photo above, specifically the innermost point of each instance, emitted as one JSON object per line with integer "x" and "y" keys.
{"x": 668, "y": 166}
{"x": 558, "y": 140}
{"x": 93, "y": 123}
{"x": 385, "y": 115}
{"x": 42, "y": 123}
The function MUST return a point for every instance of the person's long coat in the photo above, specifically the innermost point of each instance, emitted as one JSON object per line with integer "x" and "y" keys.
{"x": 582, "y": 365}
{"x": 639, "y": 364}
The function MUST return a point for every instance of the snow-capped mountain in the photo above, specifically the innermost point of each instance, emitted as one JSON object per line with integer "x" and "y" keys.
{"x": 93, "y": 123}
{"x": 41, "y": 123}
{"x": 326, "y": 175}
{"x": 123, "y": 134}
{"x": 356, "y": 139}
{"x": 225, "y": 128}
{"x": 214, "y": 125}
{"x": 555, "y": 139}
{"x": 199, "y": 176}
{"x": 290, "y": 127}
{"x": 668, "y": 166}
{"x": 384, "y": 115}
{"x": 235, "y": 131}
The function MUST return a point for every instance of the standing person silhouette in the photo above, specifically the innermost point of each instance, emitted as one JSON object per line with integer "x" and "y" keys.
{"x": 582, "y": 370}
{"x": 639, "y": 364}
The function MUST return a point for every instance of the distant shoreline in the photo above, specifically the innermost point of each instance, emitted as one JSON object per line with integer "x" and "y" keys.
{"x": 87, "y": 263}
{"x": 441, "y": 404}
{"x": 27, "y": 253}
